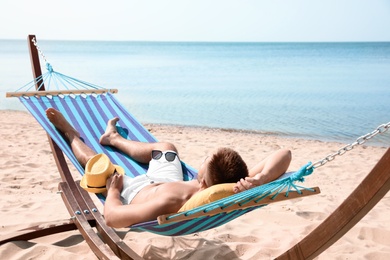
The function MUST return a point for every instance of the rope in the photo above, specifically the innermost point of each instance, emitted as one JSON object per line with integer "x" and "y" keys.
{"x": 59, "y": 78}
{"x": 56, "y": 80}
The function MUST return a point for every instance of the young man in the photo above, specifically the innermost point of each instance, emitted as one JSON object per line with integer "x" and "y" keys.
{"x": 162, "y": 189}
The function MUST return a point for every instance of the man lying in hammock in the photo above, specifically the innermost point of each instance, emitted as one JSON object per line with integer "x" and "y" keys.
{"x": 162, "y": 189}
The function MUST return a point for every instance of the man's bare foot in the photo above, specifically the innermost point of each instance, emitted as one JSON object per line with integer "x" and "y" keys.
{"x": 59, "y": 121}
{"x": 110, "y": 132}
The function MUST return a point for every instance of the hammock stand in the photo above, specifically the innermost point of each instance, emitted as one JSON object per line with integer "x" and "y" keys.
{"x": 85, "y": 216}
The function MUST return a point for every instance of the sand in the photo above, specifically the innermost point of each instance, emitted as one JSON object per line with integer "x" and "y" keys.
{"x": 28, "y": 195}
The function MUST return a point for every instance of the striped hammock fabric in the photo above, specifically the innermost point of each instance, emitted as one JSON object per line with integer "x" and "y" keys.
{"x": 89, "y": 115}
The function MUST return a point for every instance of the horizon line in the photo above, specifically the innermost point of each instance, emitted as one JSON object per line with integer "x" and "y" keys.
{"x": 198, "y": 41}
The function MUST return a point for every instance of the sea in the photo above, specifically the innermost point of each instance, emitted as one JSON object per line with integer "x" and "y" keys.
{"x": 323, "y": 91}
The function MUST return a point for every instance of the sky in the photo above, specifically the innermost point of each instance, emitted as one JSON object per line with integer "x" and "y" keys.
{"x": 197, "y": 20}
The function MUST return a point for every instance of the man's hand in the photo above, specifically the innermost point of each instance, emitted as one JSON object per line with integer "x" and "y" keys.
{"x": 247, "y": 183}
{"x": 115, "y": 182}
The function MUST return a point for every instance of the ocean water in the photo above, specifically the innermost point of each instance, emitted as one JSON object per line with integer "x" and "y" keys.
{"x": 325, "y": 91}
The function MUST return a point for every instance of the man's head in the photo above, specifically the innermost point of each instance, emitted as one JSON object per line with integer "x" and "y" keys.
{"x": 223, "y": 166}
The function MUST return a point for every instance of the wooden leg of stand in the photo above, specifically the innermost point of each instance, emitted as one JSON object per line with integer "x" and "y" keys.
{"x": 85, "y": 223}
{"x": 109, "y": 235}
{"x": 39, "y": 230}
{"x": 370, "y": 191}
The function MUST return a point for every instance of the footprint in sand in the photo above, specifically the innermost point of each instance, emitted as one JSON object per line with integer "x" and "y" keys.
{"x": 308, "y": 215}
{"x": 375, "y": 234}
{"x": 32, "y": 165}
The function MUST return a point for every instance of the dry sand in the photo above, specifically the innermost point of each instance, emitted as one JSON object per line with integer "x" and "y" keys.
{"x": 29, "y": 179}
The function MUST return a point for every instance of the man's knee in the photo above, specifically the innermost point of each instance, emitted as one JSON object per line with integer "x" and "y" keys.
{"x": 164, "y": 146}
{"x": 285, "y": 155}
{"x": 84, "y": 160}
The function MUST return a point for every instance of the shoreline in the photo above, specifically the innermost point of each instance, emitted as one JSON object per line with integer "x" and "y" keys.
{"x": 373, "y": 142}
{"x": 29, "y": 180}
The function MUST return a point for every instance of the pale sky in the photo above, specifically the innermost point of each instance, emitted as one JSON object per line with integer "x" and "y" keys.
{"x": 197, "y": 20}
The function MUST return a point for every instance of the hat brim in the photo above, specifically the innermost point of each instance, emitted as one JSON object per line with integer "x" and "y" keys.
{"x": 84, "y": 185}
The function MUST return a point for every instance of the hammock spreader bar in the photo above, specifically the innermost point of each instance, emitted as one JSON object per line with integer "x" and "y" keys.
{"x": 56, "y": 83}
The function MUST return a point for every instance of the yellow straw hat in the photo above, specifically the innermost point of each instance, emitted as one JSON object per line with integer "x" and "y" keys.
{"x": 98, "y": 169}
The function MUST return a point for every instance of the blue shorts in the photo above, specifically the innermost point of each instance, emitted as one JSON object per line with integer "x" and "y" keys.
{"x": 159, "y": 171}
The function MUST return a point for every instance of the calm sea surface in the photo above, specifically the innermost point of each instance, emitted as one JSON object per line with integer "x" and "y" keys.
{"x": 326, "y": 91}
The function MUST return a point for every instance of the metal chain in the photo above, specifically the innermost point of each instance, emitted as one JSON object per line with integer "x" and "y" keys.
{"x": 39, "y": 50}
{"x": 359, "y": 141}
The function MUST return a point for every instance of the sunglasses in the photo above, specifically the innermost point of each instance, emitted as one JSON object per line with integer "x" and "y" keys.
{"x": 169, "y": 156}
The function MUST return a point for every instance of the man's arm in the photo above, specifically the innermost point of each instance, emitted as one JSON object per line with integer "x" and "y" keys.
{"x": 118, "y": 215}
{"x": 266, "y": 171}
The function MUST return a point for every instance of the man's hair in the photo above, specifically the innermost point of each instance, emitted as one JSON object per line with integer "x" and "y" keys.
{"x": 226, "y": 166}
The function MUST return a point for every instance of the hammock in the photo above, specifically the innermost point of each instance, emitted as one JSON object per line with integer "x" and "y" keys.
{"x": 89, "y": 114}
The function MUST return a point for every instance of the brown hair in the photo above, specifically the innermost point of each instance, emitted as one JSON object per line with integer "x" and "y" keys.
{"x": 226, "y": 166}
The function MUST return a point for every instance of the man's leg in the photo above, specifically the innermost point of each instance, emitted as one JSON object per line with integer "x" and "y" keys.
{"x": 266, "y": 171}
{"x": 139, "y": 151}
{"x": 82, "y": 152}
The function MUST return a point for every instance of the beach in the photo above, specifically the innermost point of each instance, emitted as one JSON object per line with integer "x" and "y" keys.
{"x": 29, "y": 180}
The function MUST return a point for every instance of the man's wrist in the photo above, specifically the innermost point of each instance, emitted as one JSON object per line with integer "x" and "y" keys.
{"x": 113, "y": 192}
